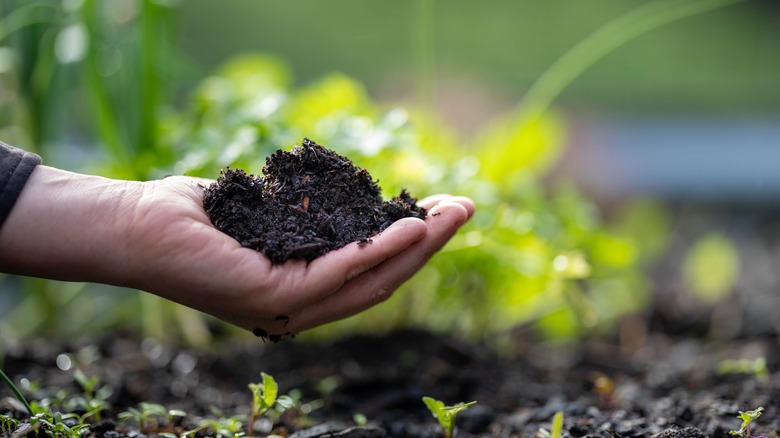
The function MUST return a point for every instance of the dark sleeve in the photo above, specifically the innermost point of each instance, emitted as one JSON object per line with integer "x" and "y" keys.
{"x": 16, "y": 166}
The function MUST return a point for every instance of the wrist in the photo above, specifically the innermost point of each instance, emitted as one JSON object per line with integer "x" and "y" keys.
{"x": 66, "y": 226}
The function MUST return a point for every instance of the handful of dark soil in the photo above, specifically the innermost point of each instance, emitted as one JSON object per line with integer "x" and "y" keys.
{"x": 308, "y": 201}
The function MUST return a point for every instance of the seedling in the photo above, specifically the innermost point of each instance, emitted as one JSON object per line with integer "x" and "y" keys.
{"x": 747, "y": 417}
{"x": 445, "y": 414}
{"x": 557, "y": 427}
{"x": 224, "y": 427}
{"x": 94, "y": 398}
{"x": 53, "y": 424}
{"x": 264, "y": 398}
{"x": 151, "y": 417}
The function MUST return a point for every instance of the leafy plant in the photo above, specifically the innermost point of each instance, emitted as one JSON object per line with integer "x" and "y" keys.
{"x": 42, "y": 417}
{"x": 445, "y": 414}
{"x": 54, "y": 424}
{"x": 747, "y": 418}
{"x": 264, "y": 398}
{"x": 94, "y": 399}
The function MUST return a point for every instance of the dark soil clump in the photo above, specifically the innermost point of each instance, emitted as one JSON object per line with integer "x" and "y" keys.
{"x": 308, "y": 201}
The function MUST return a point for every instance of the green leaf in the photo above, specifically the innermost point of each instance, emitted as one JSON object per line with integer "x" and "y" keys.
{"x": 285, "y": 402}
{"x": 445, "y": 414}
{"x": 749, "y": 416}
{"x": 270, "y": 390}
{"x": 435, "y": 406}
{"x": 177, "y": 413}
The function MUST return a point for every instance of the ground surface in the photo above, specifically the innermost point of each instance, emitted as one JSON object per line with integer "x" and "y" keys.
{"x": 662, "y": 385}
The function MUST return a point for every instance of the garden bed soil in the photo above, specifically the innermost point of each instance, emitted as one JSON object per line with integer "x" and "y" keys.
{"x": 665, "y": 387}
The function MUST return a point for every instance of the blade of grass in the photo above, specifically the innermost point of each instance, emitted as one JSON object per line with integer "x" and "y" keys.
{"x": 16, "y": 392}
{"x": 604, "y": 40}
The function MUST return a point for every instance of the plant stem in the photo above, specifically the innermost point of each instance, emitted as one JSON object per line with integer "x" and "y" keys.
{"x": 600, "y": 43}
{"x": 17, "y": 393}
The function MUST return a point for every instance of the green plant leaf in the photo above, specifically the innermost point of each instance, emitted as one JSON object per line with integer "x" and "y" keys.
{"x": 445, "y": 414}
{"x": 557, "y": 425}
{"x": 270, "y": 390}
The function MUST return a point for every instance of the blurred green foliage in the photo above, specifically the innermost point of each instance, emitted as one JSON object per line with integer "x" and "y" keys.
{"x": 104, "y": 84}
{"x": 711, "y": 267}
{"x": 722, "y": 62}
{"x": 527, "y": 255}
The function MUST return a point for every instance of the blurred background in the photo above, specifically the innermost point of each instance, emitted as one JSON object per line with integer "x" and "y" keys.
{"x": 621, "y": 152}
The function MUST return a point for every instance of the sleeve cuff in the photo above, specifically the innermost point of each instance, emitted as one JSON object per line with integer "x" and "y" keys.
{"x": 16, "y": 165}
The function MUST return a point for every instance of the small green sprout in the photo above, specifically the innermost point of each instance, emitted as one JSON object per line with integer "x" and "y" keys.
{"x": 151, "y": 417}
{"x": 557, "y": 427}
{"x": 264, "y": 398}
{"x": 445, "y": 414}
{"x": 747, "y": 417}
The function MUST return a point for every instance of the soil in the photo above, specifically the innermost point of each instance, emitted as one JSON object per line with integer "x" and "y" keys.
{"x": 665, "y": 387}
{"x": 308, "y": 201}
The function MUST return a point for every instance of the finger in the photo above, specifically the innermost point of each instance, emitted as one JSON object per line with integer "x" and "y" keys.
{"x": 378, "y": 284}
{"x": 327, "y": 274}
{"x": 431, "y": 201}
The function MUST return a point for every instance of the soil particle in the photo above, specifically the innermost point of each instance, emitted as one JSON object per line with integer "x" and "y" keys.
{"x": 308, "y": 201}
{"x": 688, "y": 432}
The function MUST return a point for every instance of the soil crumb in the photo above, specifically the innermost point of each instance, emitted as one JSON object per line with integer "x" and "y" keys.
{"x": 307, "y": 202}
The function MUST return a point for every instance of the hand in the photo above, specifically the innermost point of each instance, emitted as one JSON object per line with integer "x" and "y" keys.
{"x": 193, "y": 263}
{"x": 155, "y": 236}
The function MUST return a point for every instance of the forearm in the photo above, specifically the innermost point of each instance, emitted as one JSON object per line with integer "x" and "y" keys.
{"x": 66, "y": 226}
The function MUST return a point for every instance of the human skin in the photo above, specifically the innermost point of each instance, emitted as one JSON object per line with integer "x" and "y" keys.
{"x": 155, "y": 236}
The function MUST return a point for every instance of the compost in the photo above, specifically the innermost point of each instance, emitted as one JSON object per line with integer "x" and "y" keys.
{"x": 308, "y": 201}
